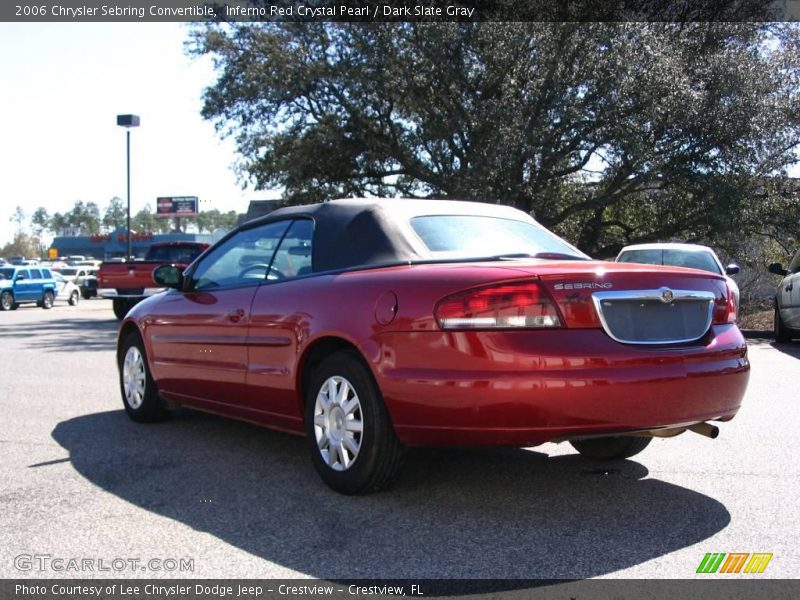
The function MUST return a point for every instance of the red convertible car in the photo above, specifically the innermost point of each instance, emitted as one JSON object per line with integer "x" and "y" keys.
{"x": 371, "y": 325}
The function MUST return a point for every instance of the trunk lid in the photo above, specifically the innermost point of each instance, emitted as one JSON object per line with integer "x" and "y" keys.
{"x": 634, "y": 303}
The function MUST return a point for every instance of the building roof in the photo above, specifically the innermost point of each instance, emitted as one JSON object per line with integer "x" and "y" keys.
{"x": 259, "y": 208}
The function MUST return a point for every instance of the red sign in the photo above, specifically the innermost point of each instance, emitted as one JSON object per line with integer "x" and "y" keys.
{"x": 135, "y": 237}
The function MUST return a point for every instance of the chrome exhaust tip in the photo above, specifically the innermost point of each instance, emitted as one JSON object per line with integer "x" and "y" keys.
{"x": 710, "y": 431}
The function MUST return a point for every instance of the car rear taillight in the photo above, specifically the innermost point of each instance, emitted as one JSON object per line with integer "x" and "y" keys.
{"x": 503, "y": 306}
{"x": 725, "y": 308}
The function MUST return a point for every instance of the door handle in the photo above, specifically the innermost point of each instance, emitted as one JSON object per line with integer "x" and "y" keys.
{"x": 235, "y": 315}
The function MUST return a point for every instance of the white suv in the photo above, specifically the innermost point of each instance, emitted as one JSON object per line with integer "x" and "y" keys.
{"x": 787, "y": 300}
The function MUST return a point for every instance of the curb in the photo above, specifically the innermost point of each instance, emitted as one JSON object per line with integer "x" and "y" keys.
{"x": 758, "y": 333}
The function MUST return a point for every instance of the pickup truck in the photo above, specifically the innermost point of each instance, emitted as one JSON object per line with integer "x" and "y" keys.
{"x": 127, "y": 283}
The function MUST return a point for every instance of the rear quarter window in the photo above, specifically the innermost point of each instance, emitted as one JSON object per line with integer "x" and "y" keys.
{"x": 467, "y": 236}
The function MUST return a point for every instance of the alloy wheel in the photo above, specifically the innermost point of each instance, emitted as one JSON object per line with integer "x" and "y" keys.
{"x": 133, "y": 377}
{"x": 338, "y": 423}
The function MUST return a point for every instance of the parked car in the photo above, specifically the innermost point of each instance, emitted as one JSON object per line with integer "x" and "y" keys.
{"x": 691, "y": 256}
{"x": 89, "y": 262}
{"x": 66, "y": 290}
{"x": 786, "y": 321}
{"x": 372, "y": 325}
{"x": 20, "y": 285}
{"x": 127, "y": 283}
{"x": 85, "y": 277}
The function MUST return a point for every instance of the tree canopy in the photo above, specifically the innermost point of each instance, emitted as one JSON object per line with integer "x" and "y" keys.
{"x": 609, "y": 133}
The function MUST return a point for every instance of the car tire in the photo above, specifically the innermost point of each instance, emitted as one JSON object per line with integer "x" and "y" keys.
{"x": 139, "y": 392}
{"x": 7, "y": 301}
{"x": 353, "y": 445}
{"x": 609, "y": 448}
{"x": 121, "y": 307}
{"x": 74, "y": 298}
{"x": 47, "y": 300}
{"x": 85, "y": 295}
{"x": 782, "y": 333}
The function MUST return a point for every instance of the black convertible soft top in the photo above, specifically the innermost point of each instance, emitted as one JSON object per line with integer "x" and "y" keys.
{"x": 369, "y": 232}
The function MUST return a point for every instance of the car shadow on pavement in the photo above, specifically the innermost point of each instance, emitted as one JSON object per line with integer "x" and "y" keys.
{"x": 65, "y": 335}
{"x": 789, "y": 348}
{"x": 478, "y": 513}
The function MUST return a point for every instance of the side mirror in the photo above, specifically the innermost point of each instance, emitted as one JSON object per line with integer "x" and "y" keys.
{"x": 777, "y": 269}
{"x": 732, "y": 269}
{"x": 168, "y": 276}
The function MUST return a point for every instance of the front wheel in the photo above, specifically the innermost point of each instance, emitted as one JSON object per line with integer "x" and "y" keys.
{"x": 74, "y": 298}
{"x": 782, "y": 333}
{"x": 47, "y": 300}
{"x": 352, "y": 442}
{"x": 139, "y": 392}
{"x": 608, "y": 448}
{"x": 7, "y": 301}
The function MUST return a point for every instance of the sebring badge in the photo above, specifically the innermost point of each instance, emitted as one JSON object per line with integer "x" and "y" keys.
{"x": 666, "y": 295}
{"x": 583, "y": 286}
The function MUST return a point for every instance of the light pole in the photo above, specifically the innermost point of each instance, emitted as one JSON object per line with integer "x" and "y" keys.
{"x": 128, "y": 121}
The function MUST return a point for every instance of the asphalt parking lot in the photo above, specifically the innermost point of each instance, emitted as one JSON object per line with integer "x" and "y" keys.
{"x": 79, "y": 480}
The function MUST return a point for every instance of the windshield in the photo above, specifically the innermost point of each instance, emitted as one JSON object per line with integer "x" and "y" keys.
{"x": 6, "y": 273}
{"x": 466, "y": 236}
{"x": 176, "y": 254}
{"x": 690, "y": 259}
{"x": 68, "y": 272}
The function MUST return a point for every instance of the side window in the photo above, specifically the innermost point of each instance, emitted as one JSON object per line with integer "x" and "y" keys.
{"x": 293, "y": 258}
{"x": 241, "y": 260}
{"x": 47, "y": 274}
{"x": 23, "y": 274}
{"x": 36, "y": 274}
{"x": 794, "y": 267}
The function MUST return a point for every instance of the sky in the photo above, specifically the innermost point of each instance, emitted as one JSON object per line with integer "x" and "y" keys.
{"x": 61, "y": 87}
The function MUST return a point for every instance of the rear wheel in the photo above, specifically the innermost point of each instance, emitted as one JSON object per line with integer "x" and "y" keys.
{"x": 74, "y": 298}
{"x": 782, "y": 333}
{"x": 607, "y": 448}
{"x": 7, "y": 301}
{"x": 352, "y": 442}
{"x": 47, "y": 300}
{"x": 121, "y": 307}
{"x": 139, "y": 392}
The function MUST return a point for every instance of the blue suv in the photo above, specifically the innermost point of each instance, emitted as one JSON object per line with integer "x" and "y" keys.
{"x": 20, "y": 284}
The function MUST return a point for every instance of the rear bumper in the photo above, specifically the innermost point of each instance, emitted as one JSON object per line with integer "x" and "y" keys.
{"x": 114, "y": 293}
{"x": 527, "y": 388}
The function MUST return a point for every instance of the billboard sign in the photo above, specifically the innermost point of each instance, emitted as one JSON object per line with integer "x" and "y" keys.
{"x": 176, "y": 206}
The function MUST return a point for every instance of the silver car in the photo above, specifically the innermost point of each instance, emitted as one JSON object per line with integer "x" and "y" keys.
{"x": 691, "y": 256}
{"x": 786, "y": 322}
